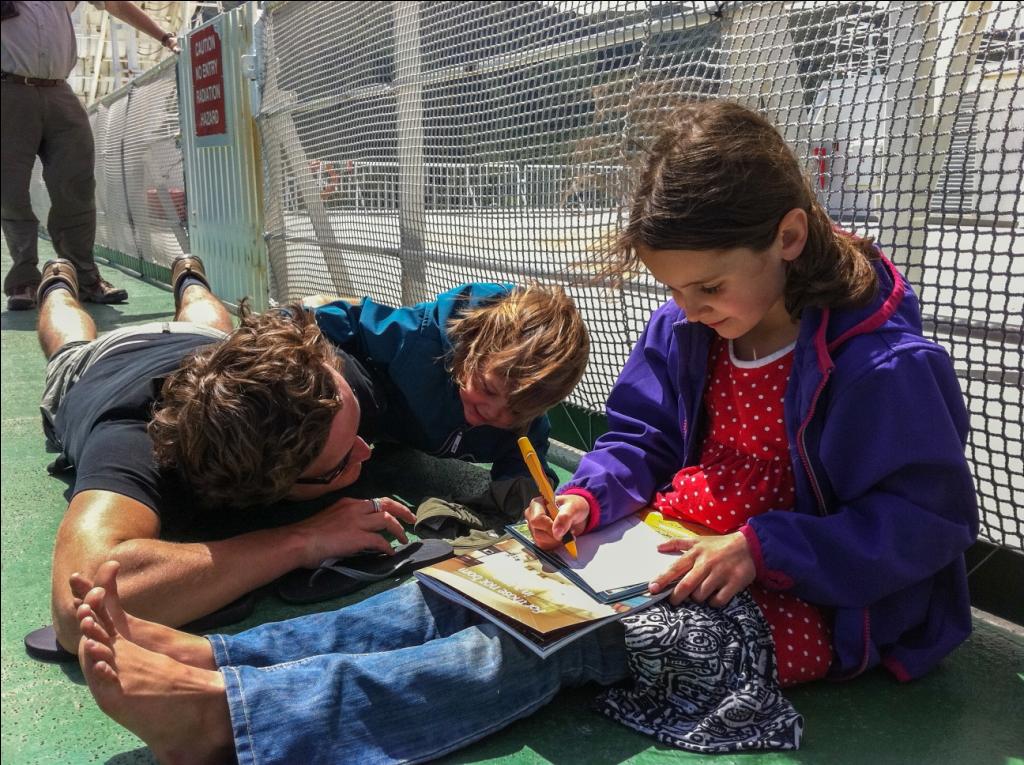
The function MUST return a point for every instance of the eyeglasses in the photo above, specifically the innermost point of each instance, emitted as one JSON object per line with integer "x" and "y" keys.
{"x": 330, "y": 475}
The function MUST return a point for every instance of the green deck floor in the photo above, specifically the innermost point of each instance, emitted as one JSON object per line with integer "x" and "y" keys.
{"x": 971, "y": 710}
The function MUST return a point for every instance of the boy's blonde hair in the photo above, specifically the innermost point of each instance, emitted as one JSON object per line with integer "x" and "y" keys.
{"x": 533, "y": 338}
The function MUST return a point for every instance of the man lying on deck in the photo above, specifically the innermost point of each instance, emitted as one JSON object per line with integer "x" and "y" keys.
{"x": 172, "y": 424}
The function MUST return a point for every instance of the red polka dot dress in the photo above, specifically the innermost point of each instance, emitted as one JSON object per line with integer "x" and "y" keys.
{"x": 745, "y": 470}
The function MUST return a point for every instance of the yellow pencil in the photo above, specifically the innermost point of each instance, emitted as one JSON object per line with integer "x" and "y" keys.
{"x": 533, "y": 464}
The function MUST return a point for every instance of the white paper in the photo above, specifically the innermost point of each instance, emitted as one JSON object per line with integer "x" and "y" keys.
{"x": 633, "y": 558}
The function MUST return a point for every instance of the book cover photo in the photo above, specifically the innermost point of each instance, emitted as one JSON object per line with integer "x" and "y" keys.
{"x": 524, "y": 594}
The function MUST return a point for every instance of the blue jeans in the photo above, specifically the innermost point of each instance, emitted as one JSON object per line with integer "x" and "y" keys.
{"x": 405, "y": 676}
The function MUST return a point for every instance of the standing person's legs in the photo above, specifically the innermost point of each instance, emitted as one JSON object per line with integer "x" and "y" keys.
{"x": 68, "y": 155}
{"x": 21, "y": 123}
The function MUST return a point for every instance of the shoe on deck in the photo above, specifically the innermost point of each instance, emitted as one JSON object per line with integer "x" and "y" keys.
{"x": 58, "y": 270}
{"x": 42, "y": 643}
{"x": 186, "y": 266}
{"x": 103, "y": 292}
{"x": 23, "y": 299}
{"x": 343, "y": 576}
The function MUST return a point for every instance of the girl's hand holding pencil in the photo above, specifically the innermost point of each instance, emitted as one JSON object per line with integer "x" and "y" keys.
{"x": 713, "y": 569}
{"x": 573, "y": 514}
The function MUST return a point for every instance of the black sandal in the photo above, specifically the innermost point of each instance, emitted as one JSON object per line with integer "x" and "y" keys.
{"x": 343, "y": 576}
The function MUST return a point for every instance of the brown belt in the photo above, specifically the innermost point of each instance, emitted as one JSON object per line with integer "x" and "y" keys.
{"x": 35, "y": 81}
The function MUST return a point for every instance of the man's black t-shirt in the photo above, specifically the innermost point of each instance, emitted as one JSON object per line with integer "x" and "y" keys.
{"x": 101, "y": 423}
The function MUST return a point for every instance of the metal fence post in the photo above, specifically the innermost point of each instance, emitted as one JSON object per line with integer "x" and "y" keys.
{"x": 409, "y": 107}
{"x": 911, "y": 131}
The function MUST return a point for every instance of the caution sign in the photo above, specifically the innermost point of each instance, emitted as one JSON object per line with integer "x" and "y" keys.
{"x": 208, "y": 82}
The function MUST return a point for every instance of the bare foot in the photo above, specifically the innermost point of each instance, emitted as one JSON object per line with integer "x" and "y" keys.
{"x": 181, "y": 646}
{"x": 181, "y": 712}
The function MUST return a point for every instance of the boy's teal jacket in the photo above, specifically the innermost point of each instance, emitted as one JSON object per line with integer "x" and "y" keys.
{"x": 885, "y": 501}
{"x": 407, "y": 350}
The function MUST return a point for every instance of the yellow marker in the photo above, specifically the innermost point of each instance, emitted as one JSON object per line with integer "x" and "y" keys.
{"x": 533, "y": 463}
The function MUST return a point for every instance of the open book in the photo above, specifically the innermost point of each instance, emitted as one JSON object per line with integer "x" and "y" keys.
{"x": 547, "y": 600}
{"x": 619, "y": 560}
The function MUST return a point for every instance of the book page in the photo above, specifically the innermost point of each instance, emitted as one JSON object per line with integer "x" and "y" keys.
{"x": 625, "y": 553}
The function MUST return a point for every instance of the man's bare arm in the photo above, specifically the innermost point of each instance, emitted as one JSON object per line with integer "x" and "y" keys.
{"x": 174, "y": 582}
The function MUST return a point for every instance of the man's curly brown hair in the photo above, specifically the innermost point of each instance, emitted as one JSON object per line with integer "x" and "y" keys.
{"x": 242, "y": 419}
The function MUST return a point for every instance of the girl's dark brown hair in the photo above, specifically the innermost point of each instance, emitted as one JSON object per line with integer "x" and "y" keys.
{"x": 720, "y": 176}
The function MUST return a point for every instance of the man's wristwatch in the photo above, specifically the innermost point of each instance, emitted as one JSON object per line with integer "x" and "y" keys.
{"x": 167, "y": 36}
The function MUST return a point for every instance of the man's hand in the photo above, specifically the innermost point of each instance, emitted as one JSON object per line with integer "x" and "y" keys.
{"x": 573, "y": 514}
{"x": 171, "y": 43}
{"x": 350, "y": 526}
{"x": 713, "y": 569}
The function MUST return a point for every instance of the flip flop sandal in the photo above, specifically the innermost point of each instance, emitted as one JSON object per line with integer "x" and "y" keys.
{"x": 232, "y": 613}
{"x": 42, "y": 643}
{"x": 343, "y": 576}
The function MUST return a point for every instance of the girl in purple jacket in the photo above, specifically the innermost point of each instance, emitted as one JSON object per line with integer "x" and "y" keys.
{"x": 842, "y": 496}
{"x": 787, "y": 399}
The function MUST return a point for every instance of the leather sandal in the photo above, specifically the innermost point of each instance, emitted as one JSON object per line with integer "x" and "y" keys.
{"x": 58, "y": 270}
{"x": 23, "y": 298}
{"x": 186, "y": 266}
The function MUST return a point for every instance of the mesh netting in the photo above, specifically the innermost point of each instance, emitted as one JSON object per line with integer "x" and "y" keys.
{"x": 410, "y": 146}
{"x": 140, "y": 186}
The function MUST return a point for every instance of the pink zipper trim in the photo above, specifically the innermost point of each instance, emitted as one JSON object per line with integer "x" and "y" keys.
{"x": 821, "y": 346}
{"x": 802, "y": 445}
{"x": 776, "y": 580}
{"x": 879, "y": 317}
{"x": 825, "y": 362}
{"x": 897, "y": 669}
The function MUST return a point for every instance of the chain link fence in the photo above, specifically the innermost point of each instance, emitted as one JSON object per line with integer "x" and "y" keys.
{"x": 141, "y": 207}
{"x": 409, "y": 146}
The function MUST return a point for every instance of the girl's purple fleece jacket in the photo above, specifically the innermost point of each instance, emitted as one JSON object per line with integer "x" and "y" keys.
{"x": 885, "y": 502}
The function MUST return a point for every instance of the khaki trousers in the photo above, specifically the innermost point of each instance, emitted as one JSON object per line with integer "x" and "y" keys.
{"x": 48, "y": 122}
